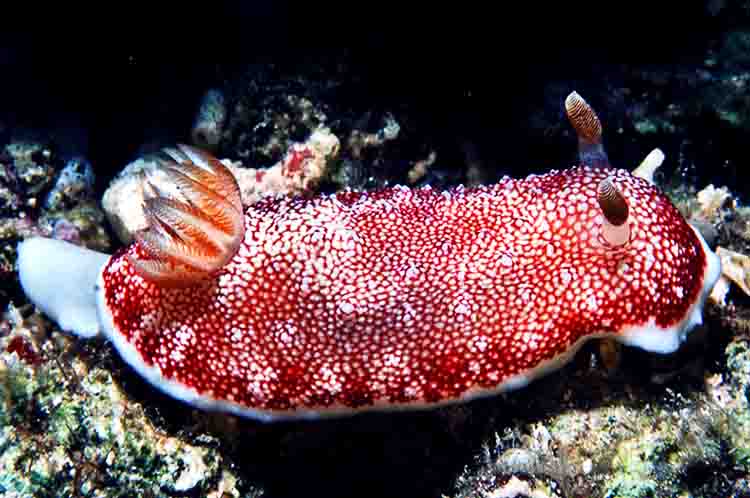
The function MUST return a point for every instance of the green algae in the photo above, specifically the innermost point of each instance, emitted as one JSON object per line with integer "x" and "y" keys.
{"x": 78, "y": 435}
{"x": 736, "y": 422}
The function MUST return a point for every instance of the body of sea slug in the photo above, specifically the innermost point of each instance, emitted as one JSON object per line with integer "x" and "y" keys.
{"x": 398, "y": 298}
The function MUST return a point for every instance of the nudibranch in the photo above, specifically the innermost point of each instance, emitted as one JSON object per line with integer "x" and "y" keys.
{"x": 315, "y": 306}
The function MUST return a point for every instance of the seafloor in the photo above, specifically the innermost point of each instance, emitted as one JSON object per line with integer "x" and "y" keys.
{"x": 76, "y": 421}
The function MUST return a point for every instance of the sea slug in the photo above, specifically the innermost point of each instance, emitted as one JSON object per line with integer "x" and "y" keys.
{"x": 315, "y": 306}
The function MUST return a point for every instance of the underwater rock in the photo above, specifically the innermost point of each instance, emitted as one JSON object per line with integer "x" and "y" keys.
{"x": 67, "y": 423}
{"x": 26, "y": 170}
{"x": 712, "y": 200}
{"x": 74, "y": 183}
{"x": 210, "y": 120}
{"x": 736, "y": 267}
{"x": 41, "y": 194}
{"x": 303, "y": 167}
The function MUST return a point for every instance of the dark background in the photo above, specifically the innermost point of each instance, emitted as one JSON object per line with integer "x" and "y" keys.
{"x": 105, "y": 82}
